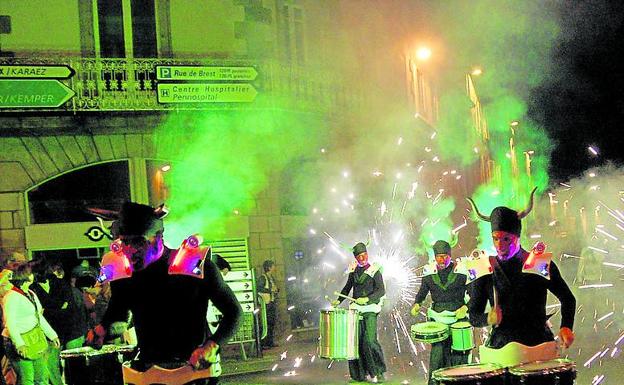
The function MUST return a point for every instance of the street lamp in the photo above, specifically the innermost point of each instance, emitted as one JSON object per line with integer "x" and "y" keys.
{"x": 423, "y": 53}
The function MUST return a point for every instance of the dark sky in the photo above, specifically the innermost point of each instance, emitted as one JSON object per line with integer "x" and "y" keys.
{"x": 582, "y": 103}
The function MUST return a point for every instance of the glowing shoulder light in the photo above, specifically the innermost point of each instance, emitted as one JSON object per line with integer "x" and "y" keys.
{"x": 116, "y": 246}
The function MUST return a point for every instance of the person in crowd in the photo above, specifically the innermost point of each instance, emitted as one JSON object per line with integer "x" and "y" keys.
{"x": 26, "y": 328}
{"x": 61, "y": 311}
{"x": 368, "y": 287}
{"x": 167, "y": 292}
{"x": 267, "y": 290}
{"x": 448, "y": 291}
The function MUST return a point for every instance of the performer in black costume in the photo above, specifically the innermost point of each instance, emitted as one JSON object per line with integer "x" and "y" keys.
{"x": 520, "y": 311}
{"x": 448, "y": 291}
{"x": 368, "y": 290}
{"x": 168, "y": 297}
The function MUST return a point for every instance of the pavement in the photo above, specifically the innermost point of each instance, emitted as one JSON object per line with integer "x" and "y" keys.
{"x": 297, "y": 362}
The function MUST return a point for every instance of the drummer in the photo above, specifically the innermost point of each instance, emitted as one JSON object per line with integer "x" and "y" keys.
{"x": 519, "y": 314}
{"x": 448, "y": 290}
{"x": 368, "y": 290}
{"x": 168, "y": 304}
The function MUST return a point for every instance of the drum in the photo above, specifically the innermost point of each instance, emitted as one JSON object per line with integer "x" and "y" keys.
{"x": 471, "y": 374}
{"x": 555, "y": 372}
{"x": 430, "y": 332}
{"x": 340, "y": 329}
{"x": 86, "y": 365}
{"x": 461, "y": 337}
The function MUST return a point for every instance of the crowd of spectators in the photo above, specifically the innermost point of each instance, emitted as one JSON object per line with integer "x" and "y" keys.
{"x": 39, "y": 296}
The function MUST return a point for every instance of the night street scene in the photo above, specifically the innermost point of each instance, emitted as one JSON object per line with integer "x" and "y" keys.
{"x": 311, "y": 192}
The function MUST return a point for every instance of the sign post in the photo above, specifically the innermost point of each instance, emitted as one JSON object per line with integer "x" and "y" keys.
{"x": 206, "y": 93}
{"x": 36, "y": 71}
{"x": 206, "y": 73}
{"x": 45, "y": 93}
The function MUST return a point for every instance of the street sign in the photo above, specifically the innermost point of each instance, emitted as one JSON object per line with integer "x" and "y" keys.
{"x": 245, "y": 296}
{"x": 206, "y": 93}
{"x": 36, "y": 71}
{"x": 247, "y": 308}
{"x": 33, "y": 93}
{"x": 240, "y": 286}
{"x": 240, "y": 275}
{"x": 205, "y": 73}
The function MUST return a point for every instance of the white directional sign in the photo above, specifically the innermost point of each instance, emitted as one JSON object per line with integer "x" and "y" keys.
{"x": 246, "y": 296}
{"x": 242, "y": 275}
{"x": 205, "y": 73}
{"x": 247, "y": 308}
{"x": 240, "y": 286}
{"x": 206, "y": 93}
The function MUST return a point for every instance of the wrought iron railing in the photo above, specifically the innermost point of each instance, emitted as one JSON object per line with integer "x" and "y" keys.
{"x": 103, "y": 84}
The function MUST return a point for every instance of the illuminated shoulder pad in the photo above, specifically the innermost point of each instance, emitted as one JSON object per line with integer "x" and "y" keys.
{"x": 538, "y": 261}
{"x": 189, "y": 258}
{"x": 430, "y": 269}
{"x": 115, "y": 264}
{"x": 460, "y": 266}
{"x": 374, "y": 268}
{"x": 477, "y": 268}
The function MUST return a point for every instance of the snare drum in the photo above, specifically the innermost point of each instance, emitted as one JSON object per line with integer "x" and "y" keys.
{"x": 340, "y": 329}
{"x": 471, "y": 374}
{"x": 555, "y": 372}
{"x": 430, "y": 332}
{"x": 86, "y": 365}
{"x": 461, "y": 337}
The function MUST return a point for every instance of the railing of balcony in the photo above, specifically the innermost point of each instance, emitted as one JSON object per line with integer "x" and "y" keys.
{"x": 127, "y": 84}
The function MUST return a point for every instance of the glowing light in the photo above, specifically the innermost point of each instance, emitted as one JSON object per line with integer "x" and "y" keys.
{"x": 597, "y": 286}
{"x": 345, "y": 174}
{"x": 312, "y": 231}
{"x": 598, "y": 250}
{"x": 400, "y": 141}
{"x": 165, "y": 168}
{"x": 274, "y": 367}
{"x": 289, "y": 337}
{"x": 592, "y": 150}
{"x": 476, "y": 71}
{"x": 377, "y": 173}
{"x": 322, "y": 150}
{"x": 423, "y": 53}
{"x": 604, "y": 317}
{"x": 292, "y": 278}
{"x": 592, "y": 174}
{"x": 515, "y": 123}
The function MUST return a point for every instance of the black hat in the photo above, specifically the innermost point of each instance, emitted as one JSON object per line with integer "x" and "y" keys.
{"x": 505, "y": 219}
{"x": 132, "y": 219}
{"x": 441, "y": 247}
{"x": 359, "y": 248}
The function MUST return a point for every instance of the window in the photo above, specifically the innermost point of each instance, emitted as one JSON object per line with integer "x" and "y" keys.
{"x": 63, "y": 199}
{"x": 110, "y": 21}
{"x": 144, "y": 28}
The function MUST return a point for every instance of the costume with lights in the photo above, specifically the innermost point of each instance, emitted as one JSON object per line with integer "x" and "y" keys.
{"x": 518, "y": 285}
{"x": 366, "y": 281}
{"x": 448, "y": 291}
{"x": 168, "y": 297}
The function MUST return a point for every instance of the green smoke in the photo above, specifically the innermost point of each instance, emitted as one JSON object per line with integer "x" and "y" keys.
{"x": 221, "y": 161}
{"x": 510, "y": 41}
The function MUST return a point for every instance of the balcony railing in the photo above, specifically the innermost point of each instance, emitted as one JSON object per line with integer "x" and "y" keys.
{"x": 130, "y": 85}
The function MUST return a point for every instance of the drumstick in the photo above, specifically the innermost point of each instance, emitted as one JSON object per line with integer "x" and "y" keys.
{"x": 344, "y": 296}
